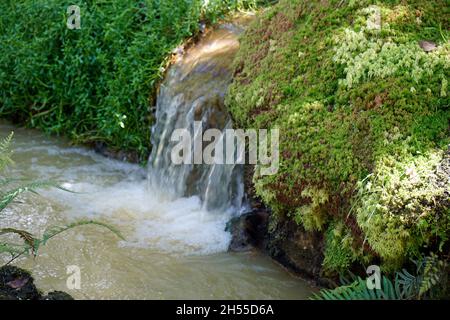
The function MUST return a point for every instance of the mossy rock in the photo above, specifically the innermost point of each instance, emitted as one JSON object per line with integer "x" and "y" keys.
{"x": 57, "y": 295}
{"x": 363, "y": 112}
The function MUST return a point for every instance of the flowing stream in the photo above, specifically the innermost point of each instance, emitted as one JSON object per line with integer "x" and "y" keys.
{"x": 194, "y": 91}
{"x": 173, "y": 217}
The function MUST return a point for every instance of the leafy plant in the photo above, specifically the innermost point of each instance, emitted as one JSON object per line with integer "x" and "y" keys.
{"x": 434, "y": 276}
{"x": 358, "y": 290}
{"x": 430, "y": 272}
{"x": 5, "y": 155}
{"x": 96, "y": 84}
{"x": 31, "y": 244}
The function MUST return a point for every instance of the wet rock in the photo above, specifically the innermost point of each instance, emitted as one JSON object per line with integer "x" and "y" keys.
{"x": 57, "y": 295}
{"x": 298, "y": 250}
{"x": 289, "y": 244}
{"x": 202, "y": 27}
{"x": 104, "y": 150}
{"x": 293, "y": 247}
{"x": 18, "y": 284}
{"x": 248, "y": 231}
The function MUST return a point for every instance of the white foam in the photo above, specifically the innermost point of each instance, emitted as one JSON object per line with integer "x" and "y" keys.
{"x": 113, "y": 192}
{"x": 181, "y": 226}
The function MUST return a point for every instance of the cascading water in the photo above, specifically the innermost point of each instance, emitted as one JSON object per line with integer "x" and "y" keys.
{"x": 194, "y": 91}
{"x": 173, "y": 222}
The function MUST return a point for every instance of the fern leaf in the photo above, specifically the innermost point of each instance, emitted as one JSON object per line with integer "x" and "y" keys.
{"x": 54, "y": 231}
{"x": 358, "y": 290}
{"x": 5, "y": 152}
{"x": 12, "y": 249}
{"x": 31, "y": 187}
{"x": 27, "y": 237}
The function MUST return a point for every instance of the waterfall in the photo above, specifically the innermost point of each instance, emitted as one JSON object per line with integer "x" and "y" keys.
{"x": 194, "y": 90}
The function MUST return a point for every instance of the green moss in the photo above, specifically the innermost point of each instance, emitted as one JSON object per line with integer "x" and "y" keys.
{"x": 312, "y": 216}
{"x": 356, "y": 107}
{"x": 401, "y": 208}
{"x": 339, "y": 253}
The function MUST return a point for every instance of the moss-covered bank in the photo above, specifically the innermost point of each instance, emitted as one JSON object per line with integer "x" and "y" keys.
{"x": 359, "y": 91}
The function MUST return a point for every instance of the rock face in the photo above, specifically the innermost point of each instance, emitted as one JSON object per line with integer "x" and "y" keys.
{"x": 18, "y": 284}
{"x": 104, "y": 150}
{"x": 293, "y": 247}
{"x": 248, "y": 231}
{"x": 298, "y": 250}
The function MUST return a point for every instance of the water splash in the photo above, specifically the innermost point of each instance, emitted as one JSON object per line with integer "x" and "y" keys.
{"x": 177, "y": 210}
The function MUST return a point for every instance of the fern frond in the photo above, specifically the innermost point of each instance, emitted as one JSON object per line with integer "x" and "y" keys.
{"x": 358, "y": 290}
{"x": 31, "y": 187}
{"x": 5, "y": 151}
{"x": 54, "y": 231}
{"x": 25, "y": 235}
{"x": 32, "y": 244}
{"x": 432, "y": 273}
{"x": 12, "y": 249}
{"x": 5, "y": 144}
{"x": 28, "y": 239}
